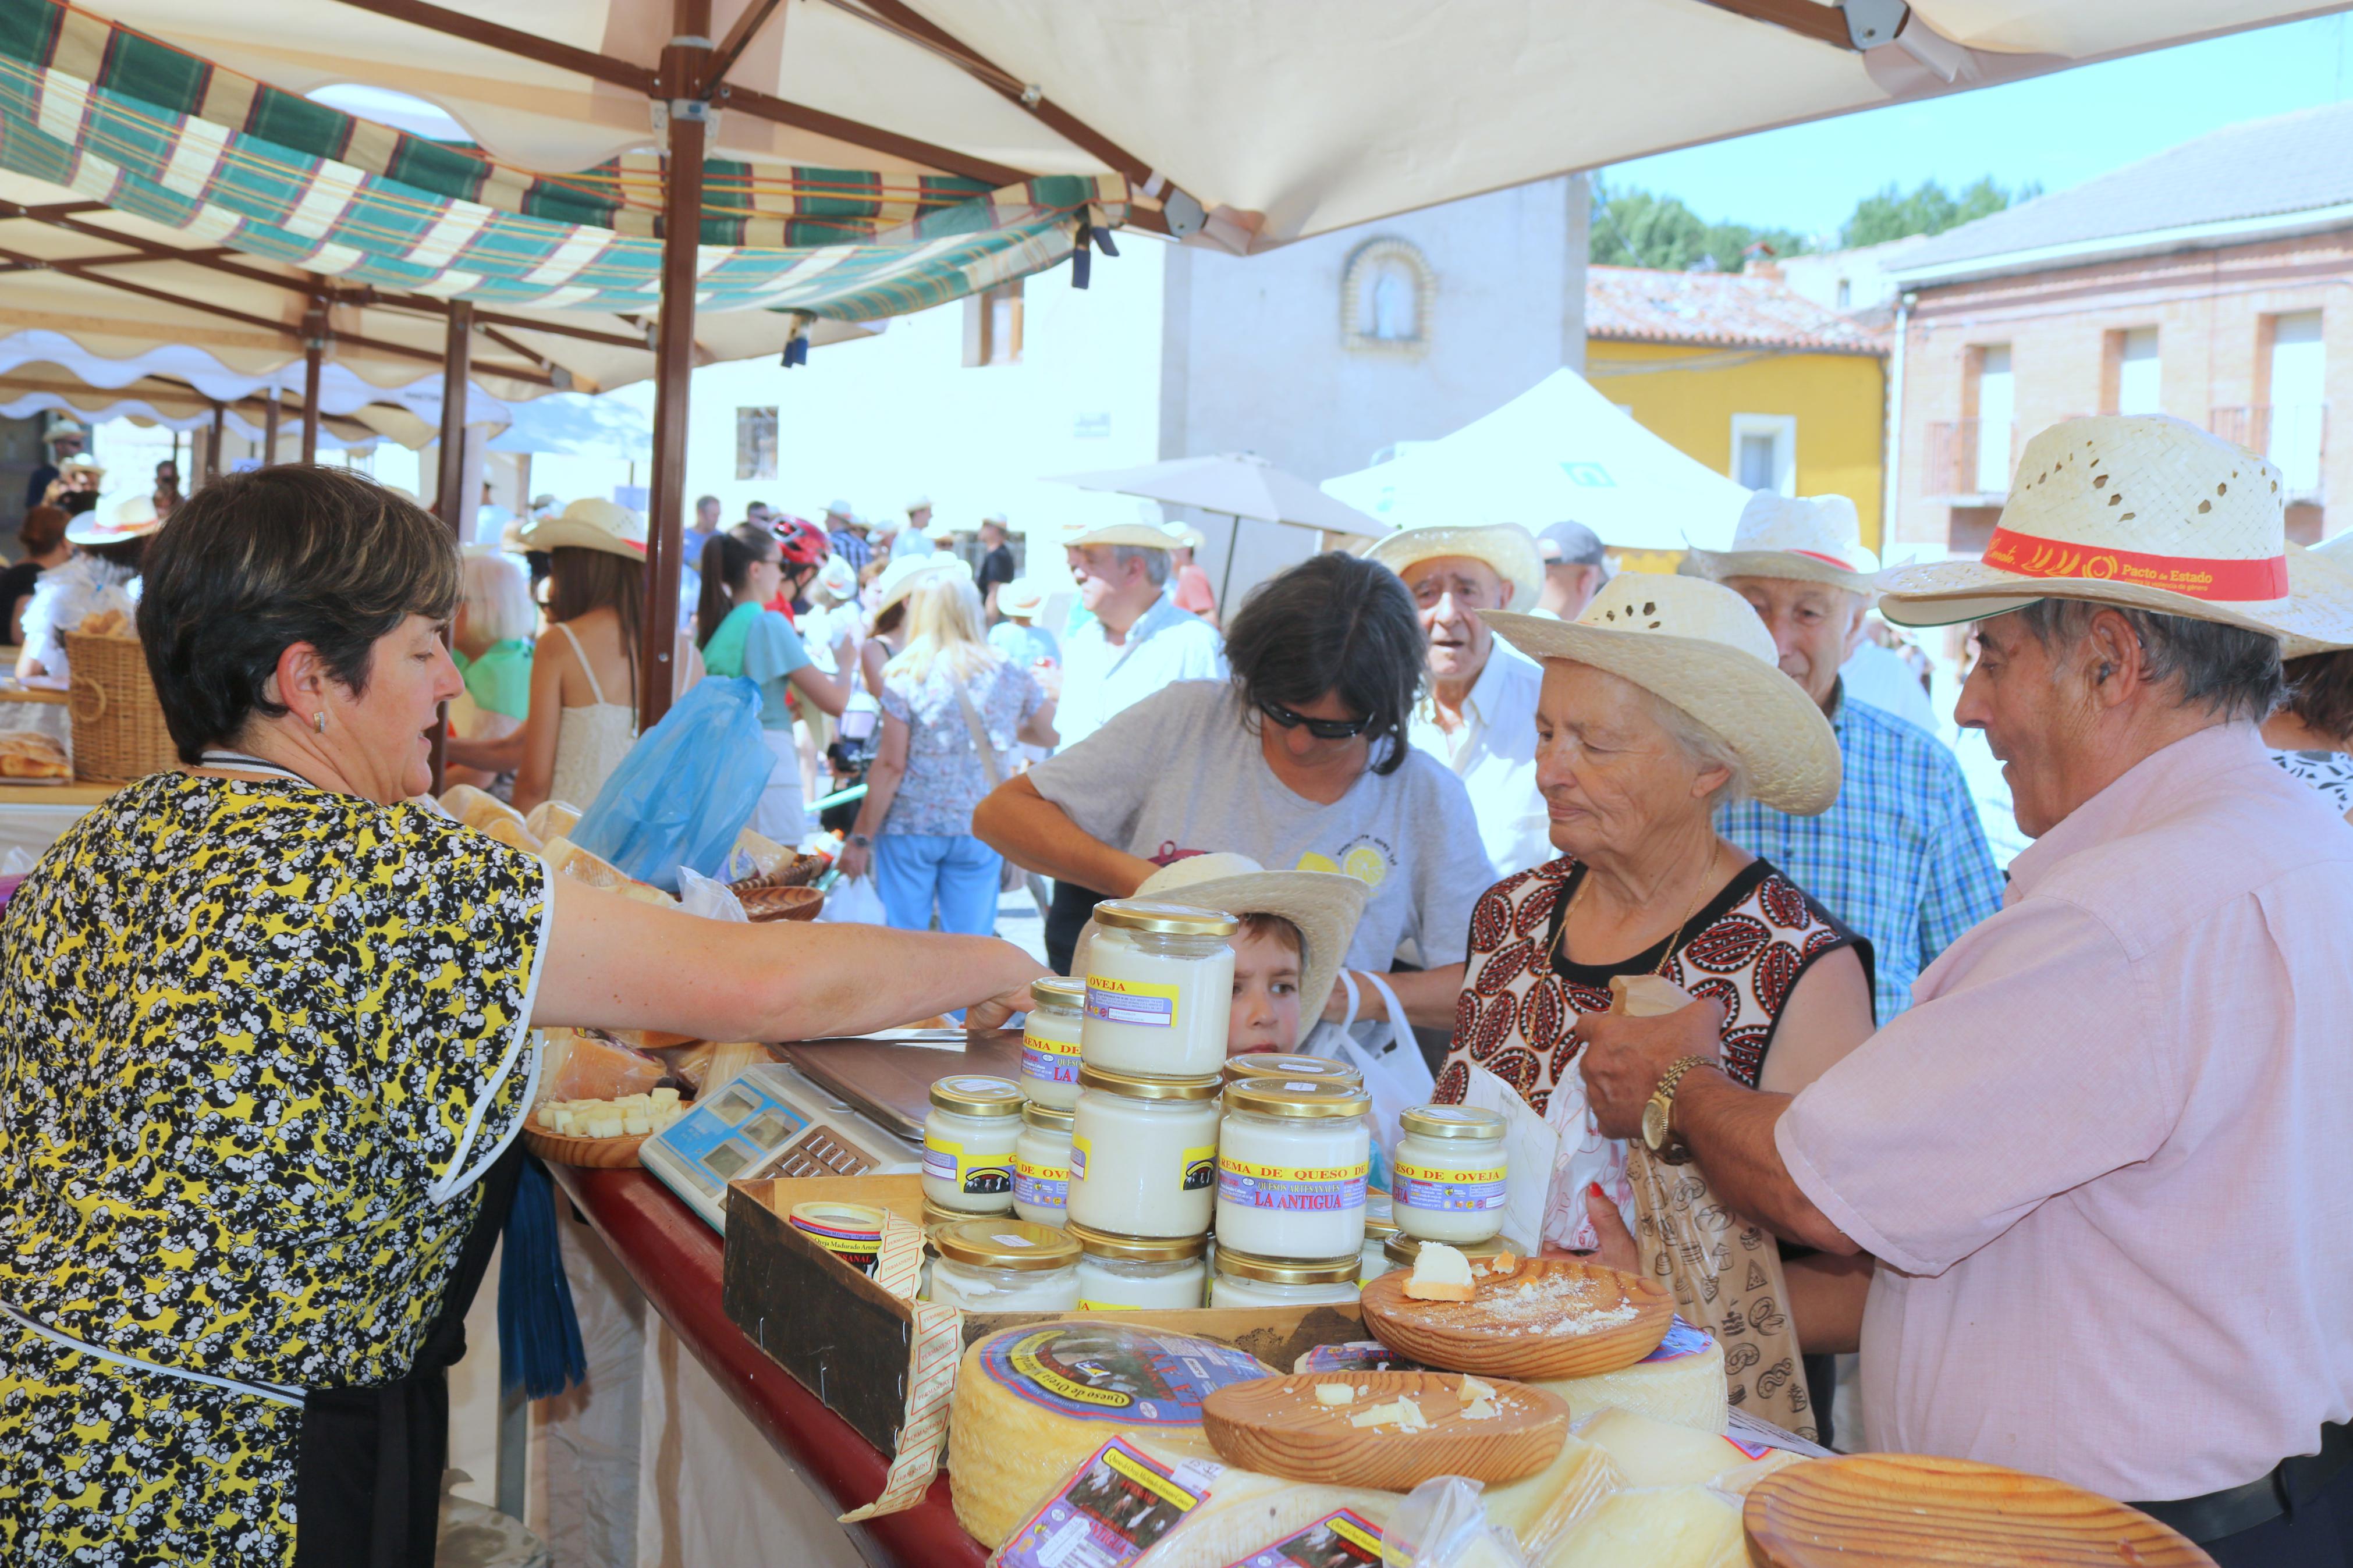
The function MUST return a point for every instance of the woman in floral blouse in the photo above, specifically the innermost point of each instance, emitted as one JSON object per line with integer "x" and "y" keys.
{"x": 265, "y": 1046}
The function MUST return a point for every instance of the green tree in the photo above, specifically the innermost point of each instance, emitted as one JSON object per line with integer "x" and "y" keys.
{"x": 1931, "y": 209}
{"x": 1634, "y": 227}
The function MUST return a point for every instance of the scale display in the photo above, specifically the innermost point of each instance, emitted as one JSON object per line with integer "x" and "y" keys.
{"x": 768, "y": 1122}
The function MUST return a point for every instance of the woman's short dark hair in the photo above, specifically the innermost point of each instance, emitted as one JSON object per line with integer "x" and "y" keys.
{"x": 255, "y": 562}
{"x": 1333, "y": 623}
{"x": 43, "y": 527}
{"x": 2320, "y": 692}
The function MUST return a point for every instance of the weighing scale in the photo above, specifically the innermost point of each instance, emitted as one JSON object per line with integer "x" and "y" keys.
{"x": 769, "y": 1121}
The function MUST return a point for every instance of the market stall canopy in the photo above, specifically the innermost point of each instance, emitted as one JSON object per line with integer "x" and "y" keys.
{"x": 1559, "y": 452}
{"x": 1277, "y": 120}
{"x": 1233, "y": 484}
{"x": 29, "y": 388}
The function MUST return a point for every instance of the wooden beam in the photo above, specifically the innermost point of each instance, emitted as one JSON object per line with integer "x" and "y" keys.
{"x": 514, "y": 40}
{"x": 946, "y": 159}
{"x": 449, "y": 499}
{"x": 314, "y": 350}
{"x": 269, "y": 430}
{"x": 739, "y": 37}
{"x": 673, "y": 367}
{"x": 213, "y": 447}
{"x": 1823, "y": 23}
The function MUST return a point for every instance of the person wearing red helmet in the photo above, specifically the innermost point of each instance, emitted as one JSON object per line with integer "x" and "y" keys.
{"x": 803, "y": 547}
{"x": 743, "y": 569}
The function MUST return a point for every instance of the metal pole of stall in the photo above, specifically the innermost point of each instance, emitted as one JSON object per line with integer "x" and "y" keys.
{"x": 450, "y": 499}
{"x": 314, "y": 348}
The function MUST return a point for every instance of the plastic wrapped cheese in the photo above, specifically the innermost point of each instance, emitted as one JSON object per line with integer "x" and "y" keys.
{"x": 568, "y": 859}
{"x": 1654, "y": 1527}
{"x": 1246, "y": 1512}
{"x": 1658, "y": 1453}
{"x": 1031, "y": 1402}
{"x": 583, "y": 1064}
{"x": 552, "y": 819}
{"x": 1540, "y": 1508}
{"x": 1682, "y": 1381}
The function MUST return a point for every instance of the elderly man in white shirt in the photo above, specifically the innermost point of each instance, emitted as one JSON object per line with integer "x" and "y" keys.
{"x": 1478, "y": 713}
{"x": 1138, "y": 641}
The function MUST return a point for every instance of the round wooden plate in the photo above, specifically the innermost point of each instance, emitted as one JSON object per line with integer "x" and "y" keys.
{"x": 1489, "y": 1334}
{"x": 593, "y": 1154}
{"x": 1880, "y": 1510}
{"x": 1273, "y": 1424}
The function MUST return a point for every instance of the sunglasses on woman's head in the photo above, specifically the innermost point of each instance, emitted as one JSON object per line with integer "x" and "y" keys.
{"x": 1322, "y": 729}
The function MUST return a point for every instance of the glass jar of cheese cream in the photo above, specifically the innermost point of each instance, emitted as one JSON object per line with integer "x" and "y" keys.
{"x": 1244, "y": 1280}
{"x": 1293, "y": 1156}
{"x": 1050, "y": 1041}
{"x": 1005, "y": 1265}
{"x": 1124, "y": 1273}
{"x": 968, "y": 1140}
{"x": 1042, "y": 1164}
{"x": 1160, "y": 989}
{"x": 1143, "y": 1154}
{"x": 1380, "y": 1225}
{"x": 1268, "y": 1064}
{"x": 1447, "y": 1181}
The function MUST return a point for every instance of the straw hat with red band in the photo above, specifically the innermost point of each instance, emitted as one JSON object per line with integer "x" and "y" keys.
{"x": 1807, "y": 538}
{"x": 590, "y": 523}
{"x": 2141, "y": 510}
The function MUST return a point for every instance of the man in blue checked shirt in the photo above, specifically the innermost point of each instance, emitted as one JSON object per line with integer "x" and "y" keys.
{"x": 1900, "y": 858}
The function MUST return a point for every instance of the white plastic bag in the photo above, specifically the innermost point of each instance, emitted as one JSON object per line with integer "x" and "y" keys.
{"x": 855, "y": 902}
{"x": 699, "y": 895}
{"x": 1442, "y": 1524}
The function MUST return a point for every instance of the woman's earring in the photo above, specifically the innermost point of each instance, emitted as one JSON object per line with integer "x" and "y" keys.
{"x": 319, "y": 721}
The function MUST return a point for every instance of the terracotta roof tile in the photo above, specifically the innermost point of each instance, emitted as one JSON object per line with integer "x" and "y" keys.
{"x": 1730, "y": 309}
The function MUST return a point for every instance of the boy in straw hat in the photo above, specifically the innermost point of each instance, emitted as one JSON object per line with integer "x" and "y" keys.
{"x": 2142, "y": 1052}
{"x": 1478, "y": 714}
{"x": 1900, "y": 857}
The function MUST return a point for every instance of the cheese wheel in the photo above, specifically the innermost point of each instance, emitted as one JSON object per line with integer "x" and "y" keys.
{"x": 1246, "y": 1512}
{"x": 1655, "y": 1527}
{"x": 1031, "y": 1402}
{"x": 1542, "y": 1507}
{"x": 1681, "y": 1383}
{"x": 1658, "y": 1454}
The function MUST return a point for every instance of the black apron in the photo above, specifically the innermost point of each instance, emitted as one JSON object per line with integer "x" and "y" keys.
{"x": 368, "y": 1484}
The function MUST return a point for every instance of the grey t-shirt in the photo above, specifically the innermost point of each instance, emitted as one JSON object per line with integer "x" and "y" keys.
{"x": 1183, "y": 769}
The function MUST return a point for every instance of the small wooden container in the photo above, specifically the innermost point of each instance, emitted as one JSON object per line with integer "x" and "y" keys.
{"x": 1502, "y": 1333}
{"x": 1276, "y": 1424}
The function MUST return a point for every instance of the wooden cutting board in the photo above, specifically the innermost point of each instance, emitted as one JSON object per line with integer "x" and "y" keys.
{"x": 590, "y": 1153}
{"x": 1275, "y": 1426}
{"x": 1586, "y": 1319}
{"x": 1916, "y": 1510}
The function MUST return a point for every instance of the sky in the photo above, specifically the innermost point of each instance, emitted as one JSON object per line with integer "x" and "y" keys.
{"x": 2061, "y": 129}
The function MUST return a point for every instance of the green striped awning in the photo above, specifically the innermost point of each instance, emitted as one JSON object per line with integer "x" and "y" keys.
{"x": 152, "y": 130}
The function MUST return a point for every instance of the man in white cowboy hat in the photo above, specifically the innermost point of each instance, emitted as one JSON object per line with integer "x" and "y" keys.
{"x": 1138, "y": 640}
{"x": 2103, "y": 1161}
{"x": 1478, "y": 713}
{"x": 914, "y": 538}
{"x": 1575, "y": 568}
{"x": 846, "y": 536}
{"x": 996, "y": 568}
{"x": 1901, "y": 858}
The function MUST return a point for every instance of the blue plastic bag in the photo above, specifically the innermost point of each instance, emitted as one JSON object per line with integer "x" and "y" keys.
{"x": 687, "y": 788}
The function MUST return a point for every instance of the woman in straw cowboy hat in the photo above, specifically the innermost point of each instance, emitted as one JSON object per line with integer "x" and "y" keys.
{"x": 1661, "y": 702}
{"x": 577, "y": 733}
{"x": 2313, "y": 731}
{"x": 109, "y": 544}
{"x": 2143, "y": 1049}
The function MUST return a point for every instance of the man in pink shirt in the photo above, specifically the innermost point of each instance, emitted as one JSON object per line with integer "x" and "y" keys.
{"x": 2105, "y": 1161}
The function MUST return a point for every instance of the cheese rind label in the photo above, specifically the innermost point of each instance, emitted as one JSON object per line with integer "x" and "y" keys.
{"x": 1439, "y": 1191}
{"x": 1115, "y": 1505}
{"x": 1295, "y": 1189}
{"x": 1141, "y": 1003}
{"x": 1099, "y": 1373}
{"x": 1342, "y": 1539}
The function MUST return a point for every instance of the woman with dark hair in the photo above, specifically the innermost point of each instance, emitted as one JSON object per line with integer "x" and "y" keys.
{"x": 43, "y": 536}
{"x": 1299, "y": 760}
{"x": 742, "y": 568}
{"x": 109, "y": 549}
{"x": 266, "y": 1042}
{"x": 2311, "y": 735}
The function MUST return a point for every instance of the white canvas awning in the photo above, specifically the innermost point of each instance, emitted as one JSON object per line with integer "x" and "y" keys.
{"x": 1559, "y": 452}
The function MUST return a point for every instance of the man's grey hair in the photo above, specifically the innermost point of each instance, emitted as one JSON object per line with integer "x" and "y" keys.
{"x": 1703, "y": 748}
{"x": 2228, "y": 671}
{"x": 1155, "y": 562}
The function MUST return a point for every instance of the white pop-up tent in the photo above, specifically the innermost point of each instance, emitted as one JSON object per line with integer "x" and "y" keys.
{"x": 1559, "y": 452}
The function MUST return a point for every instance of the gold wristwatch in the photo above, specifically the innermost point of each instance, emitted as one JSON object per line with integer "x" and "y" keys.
{"x": 1657, "y": 1135}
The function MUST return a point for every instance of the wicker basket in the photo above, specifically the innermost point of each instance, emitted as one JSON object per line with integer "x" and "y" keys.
{"x": 117, "y": 720}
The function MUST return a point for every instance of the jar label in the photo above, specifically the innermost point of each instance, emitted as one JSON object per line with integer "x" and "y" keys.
{"x": 1079, "y": 1149}
{"x": 1291, "y": 1188}
{"x": 1087, "y": 1306}
{"x": 1139, "y": 1002}
{"x": 986, "y": 1172}
{"x": 1049, "y": 1061}
{"x": 1441, "y": 1191}
{"x": 1200, "y": 1169}
{"x": 1040, "y": 1186}
{"x": 1101, "y": 1371}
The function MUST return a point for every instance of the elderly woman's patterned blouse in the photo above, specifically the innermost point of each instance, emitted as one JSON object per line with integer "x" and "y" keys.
{"x": 257, "y": 1041}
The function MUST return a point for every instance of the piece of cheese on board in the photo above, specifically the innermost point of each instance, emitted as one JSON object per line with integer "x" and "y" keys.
{"x": 1681, "y": 1383}
{"x": 1654, "y": 1527}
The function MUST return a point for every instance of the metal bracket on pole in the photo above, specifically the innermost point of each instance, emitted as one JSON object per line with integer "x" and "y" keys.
{"x": 1871, "y": 23}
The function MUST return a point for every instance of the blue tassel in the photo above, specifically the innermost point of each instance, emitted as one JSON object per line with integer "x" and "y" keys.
{"x": 1081, "y": 256}
{"x": 539, "y": 1333}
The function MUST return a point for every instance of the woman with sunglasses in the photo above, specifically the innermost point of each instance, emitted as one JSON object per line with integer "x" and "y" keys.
{"x": 1299, "y": 760}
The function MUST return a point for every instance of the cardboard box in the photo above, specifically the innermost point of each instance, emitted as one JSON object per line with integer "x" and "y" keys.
{"x": 847, "y": 1340}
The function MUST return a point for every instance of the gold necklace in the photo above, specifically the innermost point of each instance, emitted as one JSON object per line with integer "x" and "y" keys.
{"x": 1708, "y": 878}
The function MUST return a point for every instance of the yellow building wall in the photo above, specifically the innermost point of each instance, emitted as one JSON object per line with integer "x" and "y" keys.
{"x": 1838, "y": 400}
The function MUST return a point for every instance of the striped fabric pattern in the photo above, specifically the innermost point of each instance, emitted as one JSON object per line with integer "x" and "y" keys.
{"x": 152, "y": 130}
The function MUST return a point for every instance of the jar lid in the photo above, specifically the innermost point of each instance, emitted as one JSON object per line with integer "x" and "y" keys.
{"x": 828, "y": 1218}
{"x": 1137, "y": 1248}
{"x": 1378, "y": 1225}
{"x": 1058, "y": 994}
{"x": 1266, "y": 1064}
{"x": 1302, "y": 1098}
{"x": 1402, "y": 1249}
{"x": 1291, "y": 1270}
{"x": 1140, "y": 1086}
{"x": 1052, "y": 1118}
{"x": 1004, "y": 1242}
{"x": 970, "y": 1094}
{"x": 1169, "y": 919}
{"x": 936, "y": 1215}
{"x": 1451, "y": 1121}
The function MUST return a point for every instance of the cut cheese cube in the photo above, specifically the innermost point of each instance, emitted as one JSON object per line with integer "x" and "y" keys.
{"x": 665, "y": 1096}
{"x": 1655, "y": 1453}
{"x": 1654, "y": 1527}
{"x": 1440, "y": 1274}
{"x": 1472, "y": 1390}
{"x": 1401, "y": 1413}
{"x": 635, "y": 1123}
{"x": 1334, "y": 1393}
{"x": 604, "y": 1127}
{"x": 1480, "y": 1409}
